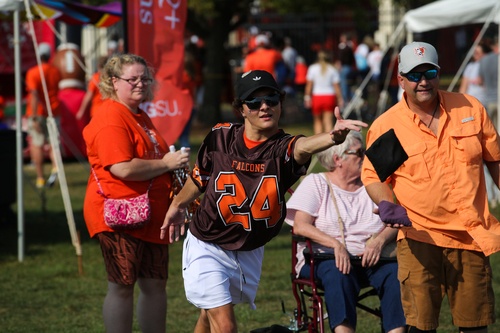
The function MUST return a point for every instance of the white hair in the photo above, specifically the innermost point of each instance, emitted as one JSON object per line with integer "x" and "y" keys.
{"x": 325, "y": 158}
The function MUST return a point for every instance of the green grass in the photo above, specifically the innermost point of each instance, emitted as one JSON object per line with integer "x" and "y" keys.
{"x": 45, "y": 292}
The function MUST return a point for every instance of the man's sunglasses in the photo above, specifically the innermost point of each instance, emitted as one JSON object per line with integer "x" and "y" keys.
{"x": 417, "y": 76}
{"x": 255, "y": 103}
{"x": 360, "y": 152}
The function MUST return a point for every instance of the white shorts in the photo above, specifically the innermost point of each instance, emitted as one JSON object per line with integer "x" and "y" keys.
{"x": 40, "y": 136}
{"x": 214, "y": 277}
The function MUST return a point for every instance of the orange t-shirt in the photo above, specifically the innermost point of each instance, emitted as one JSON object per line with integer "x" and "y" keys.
{"x": 34, "y": 83}
{"x": 263, "y": 59}
{"x": 300, "y": 73}
{"x": 93, "y": 86}
{"x": 117, "y": 135}
{"x": 441, "y": 184}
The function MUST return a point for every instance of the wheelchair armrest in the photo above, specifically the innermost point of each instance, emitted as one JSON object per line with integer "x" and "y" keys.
{"x": 331, "y": 256}
{"x": 298, "y": 238}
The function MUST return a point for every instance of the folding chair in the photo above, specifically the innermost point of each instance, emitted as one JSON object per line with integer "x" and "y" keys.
{"x": 308, "y": 294}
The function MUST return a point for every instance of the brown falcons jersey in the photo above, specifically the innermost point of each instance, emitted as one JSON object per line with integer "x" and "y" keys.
{"x": 243, "y": 206}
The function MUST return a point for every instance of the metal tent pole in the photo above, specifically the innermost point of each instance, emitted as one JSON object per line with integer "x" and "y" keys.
{"x": 19, "y": 138}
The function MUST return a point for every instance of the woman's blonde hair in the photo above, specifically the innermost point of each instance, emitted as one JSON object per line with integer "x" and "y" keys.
{"x": 323, "y": 61}
{"x": 114, "y": 68}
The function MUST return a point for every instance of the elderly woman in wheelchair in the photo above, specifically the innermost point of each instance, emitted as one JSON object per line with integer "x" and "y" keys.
{"x": 349, "y": 241}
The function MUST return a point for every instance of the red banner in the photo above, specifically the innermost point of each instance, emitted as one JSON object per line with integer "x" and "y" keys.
{"x": 155, "y": 31}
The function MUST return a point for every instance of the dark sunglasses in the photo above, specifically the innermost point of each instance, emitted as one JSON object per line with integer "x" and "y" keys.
{"x": 255, "y": 103}
{"x": 417, "y": 76}
{"x": 360, "y": 152}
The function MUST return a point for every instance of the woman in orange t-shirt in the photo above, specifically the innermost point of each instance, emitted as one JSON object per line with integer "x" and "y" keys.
{"x": 129, "y": 157}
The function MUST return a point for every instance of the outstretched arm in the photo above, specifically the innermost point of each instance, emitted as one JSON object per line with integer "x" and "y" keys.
{"x": 174, "y": 222}
{"x": 307, "y": 146}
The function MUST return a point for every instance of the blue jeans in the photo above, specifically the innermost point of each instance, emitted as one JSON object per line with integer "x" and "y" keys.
{"x": 341, "y": 291}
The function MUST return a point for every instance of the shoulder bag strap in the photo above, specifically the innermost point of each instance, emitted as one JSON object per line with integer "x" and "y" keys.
{"x": 339, "y": 218}
{"x": 101, "y": 192}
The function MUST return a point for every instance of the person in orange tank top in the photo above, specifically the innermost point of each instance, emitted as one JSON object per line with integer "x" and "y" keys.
{"x": 37, "y": 112}
{"x": 300, "y": 75}
{"x": 93, "y": 97}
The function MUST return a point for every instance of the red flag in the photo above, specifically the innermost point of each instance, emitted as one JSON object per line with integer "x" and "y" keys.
{"x": 155, "y": 30}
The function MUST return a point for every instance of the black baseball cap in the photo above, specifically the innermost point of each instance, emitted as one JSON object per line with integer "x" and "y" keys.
{"x": 252, "y": 80}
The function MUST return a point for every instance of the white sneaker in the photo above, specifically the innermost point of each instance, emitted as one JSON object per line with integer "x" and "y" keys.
{"x": 52, "y": 178}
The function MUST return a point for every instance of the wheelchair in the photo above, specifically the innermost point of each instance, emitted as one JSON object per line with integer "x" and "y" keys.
{"x": 308, "y": 293}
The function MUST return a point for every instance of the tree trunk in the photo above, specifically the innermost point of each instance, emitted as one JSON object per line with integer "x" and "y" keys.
{"x": 217, "y": 74}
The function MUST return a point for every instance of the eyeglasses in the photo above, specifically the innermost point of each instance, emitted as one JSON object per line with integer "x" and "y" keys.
{"x": 417, "y": 76}
{"x": 255, "y": 103}
{"x": 360, "y": 152}
{"x": 135, "y": 81}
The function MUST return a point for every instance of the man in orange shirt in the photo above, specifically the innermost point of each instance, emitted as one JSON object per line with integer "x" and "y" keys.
{"x": 37, "y": 113}
{"x": 264, "y": 57}
{"x": 428, "y": 151}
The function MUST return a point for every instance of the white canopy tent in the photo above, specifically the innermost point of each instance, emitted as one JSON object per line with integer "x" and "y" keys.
{"x": 447, "y": 13}
{"x": 10, "y": 5}
{"x": 437, "y": 15}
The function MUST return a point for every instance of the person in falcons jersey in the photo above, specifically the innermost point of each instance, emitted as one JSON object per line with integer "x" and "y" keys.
{"x": 244, "y": 171}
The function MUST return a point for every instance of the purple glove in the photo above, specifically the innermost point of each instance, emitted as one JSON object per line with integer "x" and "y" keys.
{"x": 391, "y": 213}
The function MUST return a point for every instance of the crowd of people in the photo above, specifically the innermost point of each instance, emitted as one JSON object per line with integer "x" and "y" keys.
{"x": 424, "y": 181}
{"x": 349, "y": 63}
{"x": 480, "y": 80}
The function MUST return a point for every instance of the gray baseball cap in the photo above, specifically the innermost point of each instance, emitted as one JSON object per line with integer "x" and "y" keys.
{"x": 44, "y": 49}
{"x": 415, "y": 54}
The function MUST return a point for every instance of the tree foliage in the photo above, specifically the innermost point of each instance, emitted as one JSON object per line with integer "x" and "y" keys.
{"x": 317, "y": 6}
{"x": 203, "y": 14}
{"x": 213, "y": 20}
{"x": 412, "y": 4}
